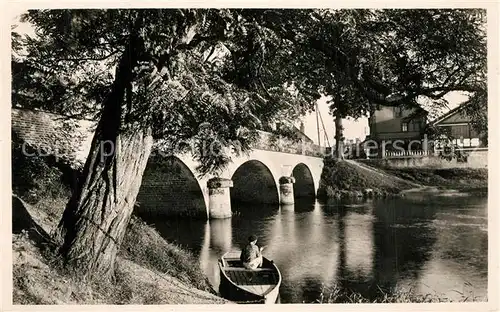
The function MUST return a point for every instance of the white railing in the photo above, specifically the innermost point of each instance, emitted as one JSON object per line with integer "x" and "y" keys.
{"x": 422, "y": 153}
{"x": 409, "y": 153}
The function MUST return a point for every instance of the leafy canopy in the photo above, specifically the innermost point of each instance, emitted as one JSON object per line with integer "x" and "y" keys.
{"x": 201, "y": 77}
{"x": 217, "y": 75}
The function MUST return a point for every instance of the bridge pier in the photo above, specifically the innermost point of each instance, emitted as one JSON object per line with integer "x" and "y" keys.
{"x": 286, "y": 190}
{"x": 219, "y": 198}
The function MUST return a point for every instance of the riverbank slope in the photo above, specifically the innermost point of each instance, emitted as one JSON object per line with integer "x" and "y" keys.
{"x": 461, "y": 179}
{"x": 352, "y": 179}
{"x": 149, "y": 270}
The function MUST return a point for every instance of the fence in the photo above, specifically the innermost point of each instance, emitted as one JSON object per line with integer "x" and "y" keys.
{"x": 469, "y": 158}
{"x": 433, "y": 152}
{"x": 410, "y": 153}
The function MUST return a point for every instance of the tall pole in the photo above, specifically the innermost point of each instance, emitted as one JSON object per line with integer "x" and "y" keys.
{"x": 317, "y": 123}
{"x": 324, "y": 129}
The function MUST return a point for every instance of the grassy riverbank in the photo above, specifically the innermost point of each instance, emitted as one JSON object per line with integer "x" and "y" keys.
{"x": 349, "y": 178}
{"x": 149, "y": 270}
{"x": 462, "y": 179}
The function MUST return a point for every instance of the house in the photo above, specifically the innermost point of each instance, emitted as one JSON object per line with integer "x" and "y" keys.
{"x": 390, "y": 124}
{"x": 301, "y": 134}
{"x": 457, "y": 129}
{"x": 298, "y": 132}
{"x": 396, "y": 124}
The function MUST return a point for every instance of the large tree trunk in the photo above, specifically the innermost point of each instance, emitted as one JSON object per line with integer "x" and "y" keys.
{"x": 95, "y": 220}
{"x": 339, "y": 137}
{"x": 96, "y": 217}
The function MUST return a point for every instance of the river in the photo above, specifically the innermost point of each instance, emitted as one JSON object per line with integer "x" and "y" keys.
{"x": 431, "y": 245}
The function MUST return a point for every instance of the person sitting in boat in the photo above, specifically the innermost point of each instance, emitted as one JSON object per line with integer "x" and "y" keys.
{"x": 251, "y": 255}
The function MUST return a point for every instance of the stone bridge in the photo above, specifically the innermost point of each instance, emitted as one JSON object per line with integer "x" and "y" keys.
{"x": 272, "y": 173}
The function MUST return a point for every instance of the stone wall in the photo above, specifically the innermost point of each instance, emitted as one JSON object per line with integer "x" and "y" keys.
{"x": 476, "y": 159}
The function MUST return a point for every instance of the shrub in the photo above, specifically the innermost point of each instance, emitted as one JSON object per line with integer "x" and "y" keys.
{"x": 37, "y": 177}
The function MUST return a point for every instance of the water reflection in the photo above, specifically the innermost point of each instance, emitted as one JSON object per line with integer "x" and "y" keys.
{"x": 433, "y": 245}
{"x": 359, "y": 247}
{"x": 221, "y": 236}
{"x": 403, "y": 240}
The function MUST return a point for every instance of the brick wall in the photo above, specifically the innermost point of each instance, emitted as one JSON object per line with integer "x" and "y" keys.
{"x": 53, "y": 134}
{"x": 169, "y": 188}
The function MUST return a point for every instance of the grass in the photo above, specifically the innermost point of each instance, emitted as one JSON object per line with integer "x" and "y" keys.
{"x": 337, "y": 294}
{"x": 349, "y": 176}
{"x": 144, "y": 245}
{"x": 37, "y": 280}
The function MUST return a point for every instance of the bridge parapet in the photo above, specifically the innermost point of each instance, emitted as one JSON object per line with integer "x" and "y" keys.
{"x": 273, "y": 142}
{"x": 72, "y": 143}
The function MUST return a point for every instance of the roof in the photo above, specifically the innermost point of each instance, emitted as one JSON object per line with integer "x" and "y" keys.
{"x": 450, "y": 113}
{"x": 297, "y": 130}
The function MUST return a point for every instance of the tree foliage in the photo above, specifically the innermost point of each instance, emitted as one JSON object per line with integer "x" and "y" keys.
{"x": 176, "y": 87}
{"x": 365, "y": 58}
{"x": 360, "y": 58}
{"x": 143, "y": 74}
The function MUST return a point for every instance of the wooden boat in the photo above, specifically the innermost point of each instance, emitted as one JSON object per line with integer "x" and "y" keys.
{"x": 248, "y": 286}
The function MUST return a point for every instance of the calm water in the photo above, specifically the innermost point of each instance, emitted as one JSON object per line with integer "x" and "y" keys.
{"x": 432, "y": 245}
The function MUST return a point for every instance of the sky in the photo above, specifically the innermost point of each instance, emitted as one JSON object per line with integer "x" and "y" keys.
{"x": 352, "y": 128}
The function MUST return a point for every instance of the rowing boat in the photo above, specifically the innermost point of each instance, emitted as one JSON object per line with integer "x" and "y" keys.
{"x": 248, "y": 286}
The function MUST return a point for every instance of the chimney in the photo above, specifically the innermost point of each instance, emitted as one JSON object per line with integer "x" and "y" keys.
{"x": 302, "y": 129}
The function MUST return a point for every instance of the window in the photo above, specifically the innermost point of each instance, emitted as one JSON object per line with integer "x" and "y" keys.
{"x": 397, "y": 112}
{"x": 404, "y": 127}
{"x": 460, "y": 131}
{"x": 415, "y": 125}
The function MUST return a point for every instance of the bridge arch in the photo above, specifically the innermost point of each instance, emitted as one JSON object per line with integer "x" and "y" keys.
{"x": 304, "y": 182}
{"x": 169, "y": 188}
{"x": 254, "y": 182}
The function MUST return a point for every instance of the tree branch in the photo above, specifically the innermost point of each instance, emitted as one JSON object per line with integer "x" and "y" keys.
{"x": 102, "y": 58}
{"x": 210, "y": 54}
